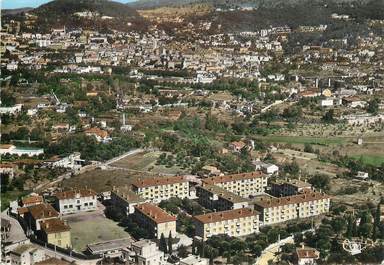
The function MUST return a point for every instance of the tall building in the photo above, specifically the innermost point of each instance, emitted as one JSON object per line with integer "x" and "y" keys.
{"x": 125, "y": 199}
{"x": 244, "y": 184}
{"x": 155, "y": 220}
{"x": 277, "y": 210}
{"x": 239, "y": 222}
{"x": 161, "y": 188}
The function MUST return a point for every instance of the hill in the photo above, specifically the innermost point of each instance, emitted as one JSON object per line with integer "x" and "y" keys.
{"x": 88, "y": 14}
{"x": 15, "y": 11}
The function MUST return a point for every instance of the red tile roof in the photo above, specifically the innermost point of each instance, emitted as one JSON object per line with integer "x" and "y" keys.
{"x": 300, "y": 198}
{"x": 32, "y": 200}
{"x": 54, "y": 226}
{"x": 41, "y": 211}
{"x": 225, "y": 215}
{"x": 305, "y": 253}
{"x": 234, "y": 177}
{"x": 71, "y": 194}
{"x": 98, "y": 132}
{"x": 155, "y": 213}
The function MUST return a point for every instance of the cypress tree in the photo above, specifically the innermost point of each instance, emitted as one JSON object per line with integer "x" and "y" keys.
{"x": 163, "y": 244}
{"x": 170, "y": 243}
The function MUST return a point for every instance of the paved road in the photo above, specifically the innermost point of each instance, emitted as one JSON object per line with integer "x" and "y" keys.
{"x": 270, "y": 252}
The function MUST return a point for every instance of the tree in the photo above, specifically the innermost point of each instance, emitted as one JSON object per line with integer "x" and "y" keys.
{"x": 320, "y": 182}
{"x": 376, "y": 223}
{"x": 365, "y": 230}
{"x": 338, "y": 224}
{"x": 308, "y": 148}
{"x": 163, "y": 243}
{"x": 170, "y": 243}
{"x": 329, "y": 116}
{"x": 373, "y": 106}
{"x": 182, "y": 251}
{"x": 350, "y": 225}
{"x": 21, "y": 134}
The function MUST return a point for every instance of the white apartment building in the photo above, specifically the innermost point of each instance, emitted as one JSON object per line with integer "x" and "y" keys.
{"x": 277, "y": 210}
{"x": 125, "y": 199}
{"x": 161, "y": 188}
{"x": 239, "y": 222}
{"x": 74, "y": 201}
{"x": 155, "y": 220}
{"x": 244, "y": 184}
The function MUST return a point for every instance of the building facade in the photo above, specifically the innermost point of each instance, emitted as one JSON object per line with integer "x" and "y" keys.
{"x": 239, "y": 222}
{"x": 125, "y": 199}
{"x": 277, "y": 210}
{"x": 161, "y": 188}
{"x": 155, "y": 220}
{"x": 75, "y": 201}
{"x": 216, "y": 198}
{"x": 147, "y": 253}
{"x": 56, "y": 232}
{"x": 244, "y": 184}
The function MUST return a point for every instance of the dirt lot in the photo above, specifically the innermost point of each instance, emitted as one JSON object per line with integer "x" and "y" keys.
{"x": 146, "y": 162}
{"x": 101, "y": 180}
{"x": 373, "y": 192}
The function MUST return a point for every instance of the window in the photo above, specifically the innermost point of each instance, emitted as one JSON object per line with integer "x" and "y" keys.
{"x": 91, "y": 203}
{"x": 86, "y": 204}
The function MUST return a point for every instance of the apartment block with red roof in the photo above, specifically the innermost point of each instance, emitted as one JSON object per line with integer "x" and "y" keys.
{"x": 155, "y": 219}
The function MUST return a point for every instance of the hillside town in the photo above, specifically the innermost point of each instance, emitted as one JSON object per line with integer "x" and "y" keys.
{"x": 179, "y": 134}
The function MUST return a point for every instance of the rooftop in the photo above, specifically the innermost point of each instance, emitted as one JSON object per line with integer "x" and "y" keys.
{"x": 155, "y": 213}
{"x": 224, "y": 194}
{"x": 41, "y": 211}
{"x": 234, "y": 177}
{"x": 32, "y": 200}
{"x": 306, "y": 252}
{"x": 157, "y": 181}
{"x": 72, "y": 194}
{"x": 110, "y": 245}
{"x": 22, "y": 248}
{"x": 127, "y": 194}
{"x": 54, "y": 225}
{"x": 225, "y": 215}
{"x": 305, "y": 197}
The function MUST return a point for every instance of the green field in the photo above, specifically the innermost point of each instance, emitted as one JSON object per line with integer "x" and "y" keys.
{"x": 93, "y": 230}
{"x": 304, "y": 140}
{"x": 375, "y": 160}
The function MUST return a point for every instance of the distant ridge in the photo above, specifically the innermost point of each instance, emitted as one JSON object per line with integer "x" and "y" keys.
{"x": 62, "y": 12}
{"x": 15, "y": 11}
{"x": 228, "y": 3}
